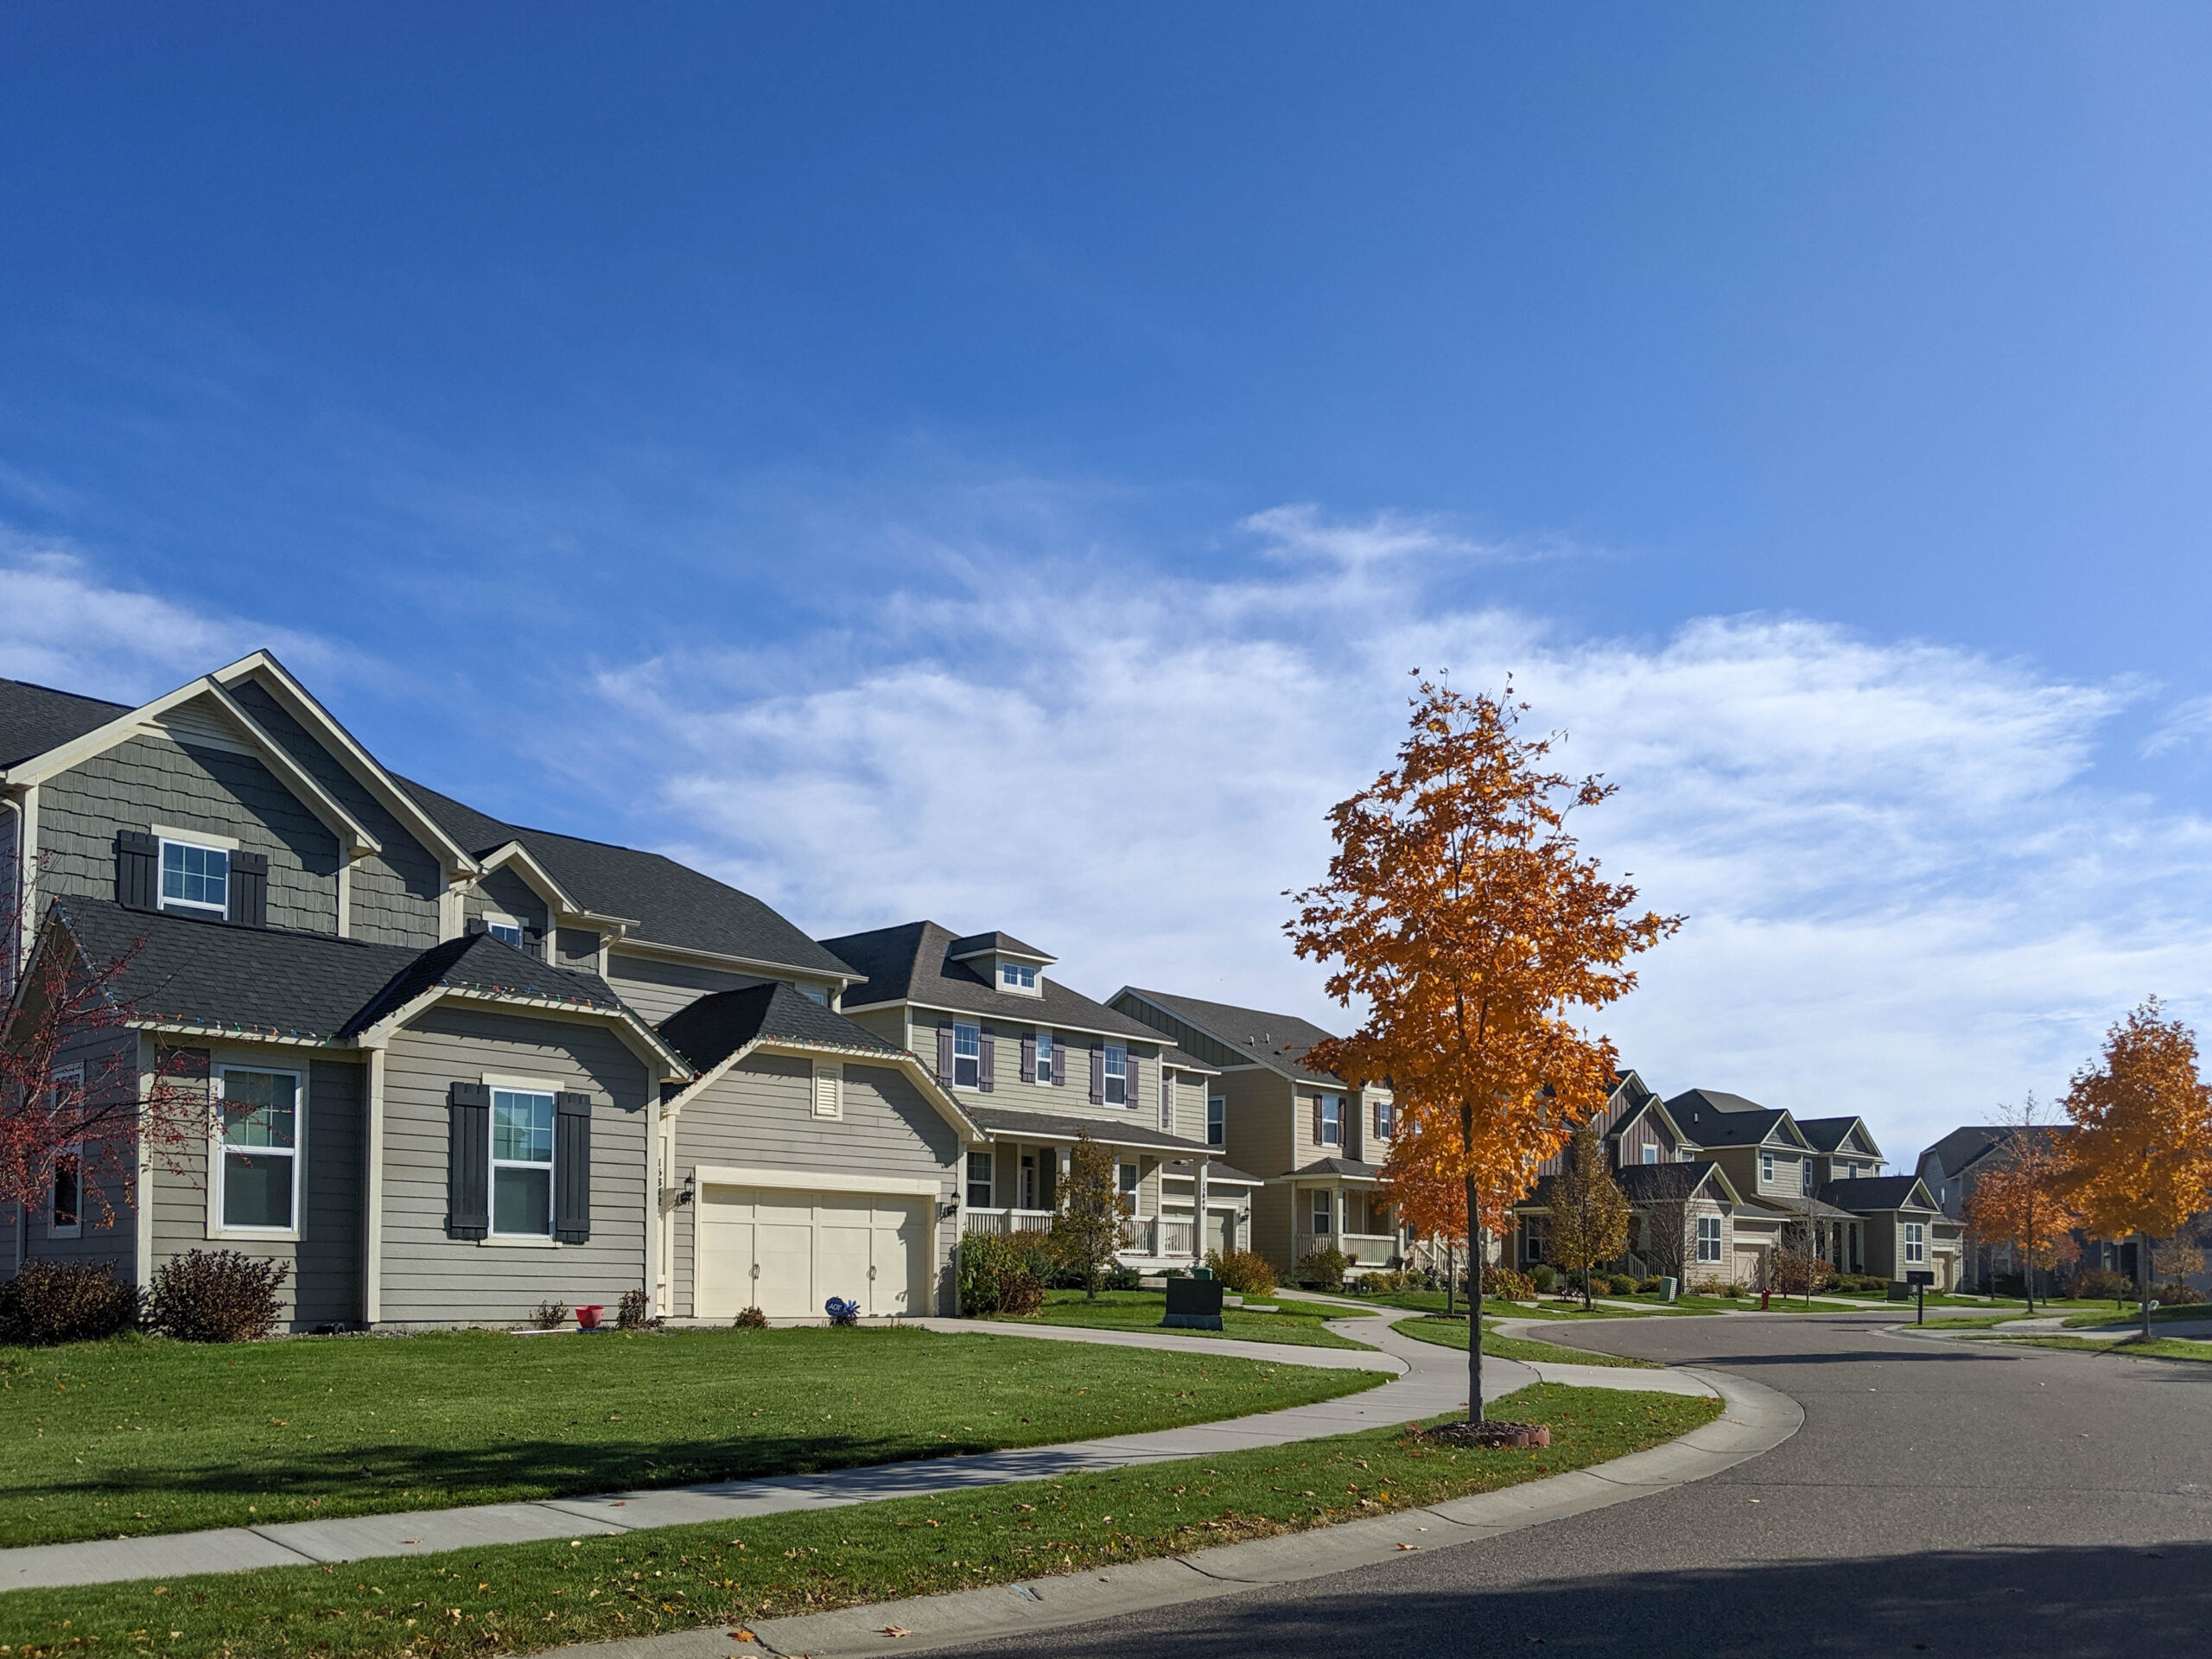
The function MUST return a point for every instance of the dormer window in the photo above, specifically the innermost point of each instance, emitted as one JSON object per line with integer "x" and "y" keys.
{"x": 195, "y": 877}
{"x": 1020, "y": 977}
{"x": 504, "y": 928}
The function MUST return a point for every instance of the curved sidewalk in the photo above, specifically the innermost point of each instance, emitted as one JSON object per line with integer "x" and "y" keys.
{"x": 1430, "y": 1381}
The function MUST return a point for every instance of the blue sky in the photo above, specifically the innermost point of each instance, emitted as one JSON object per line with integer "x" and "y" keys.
{"x": 998, "y": 463}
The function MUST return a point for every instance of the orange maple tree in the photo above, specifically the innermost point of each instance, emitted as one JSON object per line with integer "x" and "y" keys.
{"x": 2021, "y": 1201}
{"x": 1461, "y": 911}
{"x": 2140, "y": 1159}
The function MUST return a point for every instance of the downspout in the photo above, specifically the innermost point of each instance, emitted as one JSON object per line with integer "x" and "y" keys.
{"x": 372, "y": 1229}
{"x": 14, "y": 905}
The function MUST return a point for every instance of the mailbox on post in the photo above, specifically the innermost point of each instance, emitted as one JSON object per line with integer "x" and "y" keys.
{"x": 1919, "y": 1279}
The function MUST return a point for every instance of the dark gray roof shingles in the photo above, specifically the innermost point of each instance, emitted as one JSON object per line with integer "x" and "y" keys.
{"x": 912, "y": 962}
{"x": 36, "y": 718}
{"x": 1054, "y": 1126}
{"x": 1277, "y": 1040}
{"x": 707, "y": 1032}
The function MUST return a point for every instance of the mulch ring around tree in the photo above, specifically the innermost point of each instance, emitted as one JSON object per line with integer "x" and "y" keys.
{"x": 1522, "y": 1436}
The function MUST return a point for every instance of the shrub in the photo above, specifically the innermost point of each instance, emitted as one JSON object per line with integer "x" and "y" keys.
{"x": 1246, "y": 1271}
{"x": 2096, "y": 1285}
{"x": 751, "y": 1319}
{"x": 1621, "y": 1285}
{"x": 1121, "y": 1278}
{"x": 2178, "y": 1295}
{"x": 997, "y": 1276}
{"x": 632, "y": 1314}
{"x": 551, "y": 1315}
{"x": 1323, "y": 1269}
{"x": 49, "y": 1302}
{"x": 1508, "y": 1285}
{"x": 1544, "y": 1276}
{"x": 215, "y": 1296}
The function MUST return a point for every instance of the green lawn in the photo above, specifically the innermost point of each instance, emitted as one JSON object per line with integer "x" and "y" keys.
{"x": 2157, "y": 1347}
{"x": 1141, "y": 1310}
{"x": 2181, "y": 1312}
{"x": 144, "y": 1436}
{"x": 1452, "y": 1333}
{"x": 522, "y": 1597}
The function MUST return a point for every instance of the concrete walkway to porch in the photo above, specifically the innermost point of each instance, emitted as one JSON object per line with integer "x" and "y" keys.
{"x": 1429, "y": 1381}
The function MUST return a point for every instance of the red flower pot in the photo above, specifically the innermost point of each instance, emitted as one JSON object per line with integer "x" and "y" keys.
{"x": 588, "y": 1315}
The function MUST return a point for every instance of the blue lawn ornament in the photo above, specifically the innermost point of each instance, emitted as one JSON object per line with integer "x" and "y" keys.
{"x": 842, "y": 1312}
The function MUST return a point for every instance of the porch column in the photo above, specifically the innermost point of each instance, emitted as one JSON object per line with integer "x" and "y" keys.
{"x": 1198, "y": 1215}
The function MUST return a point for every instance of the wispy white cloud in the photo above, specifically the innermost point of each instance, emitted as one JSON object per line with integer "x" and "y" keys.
{"x": 1907, "y": 896}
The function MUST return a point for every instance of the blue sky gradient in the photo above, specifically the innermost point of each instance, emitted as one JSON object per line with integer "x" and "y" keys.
{"x": 821, "y": 442}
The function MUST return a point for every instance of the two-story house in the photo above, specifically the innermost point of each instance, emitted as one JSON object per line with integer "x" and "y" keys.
{"x": 451, "y": 1067}
{"x": 1034, "y": 1064}
{"x": 1316, "y": 1142}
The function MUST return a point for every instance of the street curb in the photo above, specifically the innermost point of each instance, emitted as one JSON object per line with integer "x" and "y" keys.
{"x": 1756, "y": 1421}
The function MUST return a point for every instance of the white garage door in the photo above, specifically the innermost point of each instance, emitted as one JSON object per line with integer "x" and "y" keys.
{"x": 787, "y": 1253}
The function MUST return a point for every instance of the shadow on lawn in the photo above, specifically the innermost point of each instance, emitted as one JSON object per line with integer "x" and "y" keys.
{"x": 2083, "y": 1602}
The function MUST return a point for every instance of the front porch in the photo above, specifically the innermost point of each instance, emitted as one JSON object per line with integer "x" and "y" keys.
{"x": 1344, "y": 1213}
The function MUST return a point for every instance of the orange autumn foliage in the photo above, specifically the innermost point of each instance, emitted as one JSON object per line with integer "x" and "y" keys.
{"x": 2140, "y": 1159}
{"x": 1461, "y": 911}
{"x": 2022, "y": 1202}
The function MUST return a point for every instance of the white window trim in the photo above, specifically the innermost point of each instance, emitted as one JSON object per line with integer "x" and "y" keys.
{"x": 1766, "y": 1166}
{"x": 218, "y": 1163}
{"x": 222, "y": 844}
{"x": 1221, "y": 1100}
{"x": 959, "y": 1026}
{"x": 493, "y": 1164}
{"x": 1003, "y": 966}
{"x": 1324, "y": 1139}
{"x": 1048, "y": 1057}
{"x": 1166, "y": 1101}
{"x": 1323, "y": 1212}
{"x": 1720, "y": 1240}
{"x": 1651, "y": 1151}
{"x": 1915, "y": 1249}
{"x": 497, "y": 918}
{"x": 989, "y": 1182}
{"x": 1108, "y": 1079}
{"x": 198, "y": 837}
{"x": 75, "y": 1151}
{"x": 828, "y": 1095}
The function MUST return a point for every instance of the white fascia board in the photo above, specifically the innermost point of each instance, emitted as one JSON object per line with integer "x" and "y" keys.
{"x": 296, "y": 778}
{"x": 817, "y": 1180}
{"x": 535, "y": 876}
{"x": 760, "y": 965}
{"x": 640, "y": 1038}
{"x": 1036, "y": 956}
{"x": 932, "y": 1091}
{"x": 1036, "y": 1018}
{"x": 301, "y": 705}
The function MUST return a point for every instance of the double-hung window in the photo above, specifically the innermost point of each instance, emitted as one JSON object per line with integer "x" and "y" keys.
{"x": 1117, "y": 1075}
{"x": 1709, "y": 1238}
{"x": 1216, "y": 1121}
{"x": 1324, "y": 1207}
{"x": 1017, "y": 976}
{"x": 65, "y": 1197}
{"x": 1166, "y": 1102}
{"x": 1129, "y": 1189}
{"x": 1386, "y": 1118}
{"x": 1766, "y": 1167}
{"x": 1805, "y": 1177}
{"x": 967, "y": 1056}
{"x": 258, "y": 1171}
{"x": 979, "y": 1180}
{"x": 1333, "y": 1119}
{"x": 195, "y": 877}
{"x": 1045, "y": 1058}
{"x": 521, "y": 1162}
{"x": 1915, "y": 1242}
{"x": 1650, "y": 1153}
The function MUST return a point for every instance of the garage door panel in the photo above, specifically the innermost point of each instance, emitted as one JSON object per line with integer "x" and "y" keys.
{"x": 787, "y": 1252}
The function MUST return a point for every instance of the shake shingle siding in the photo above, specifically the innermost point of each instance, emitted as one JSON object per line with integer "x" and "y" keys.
{"x": 150, "y": 780}
{"x": 395, "y": 894}
{"x": 510, "y": 895}
{"x": 759, "y": 1115}
{"x": 429, "y": 1279}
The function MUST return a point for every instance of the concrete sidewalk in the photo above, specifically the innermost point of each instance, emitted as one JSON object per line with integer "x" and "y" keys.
{"x": 1429, "y": 1380}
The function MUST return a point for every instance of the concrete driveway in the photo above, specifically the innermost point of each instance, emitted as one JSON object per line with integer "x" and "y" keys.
{"x": 1941, "y": 1498}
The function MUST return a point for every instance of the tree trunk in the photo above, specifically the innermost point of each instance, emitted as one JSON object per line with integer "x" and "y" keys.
{"x": 2143, "y": 1264}
{"x": 1474, "y": 1304}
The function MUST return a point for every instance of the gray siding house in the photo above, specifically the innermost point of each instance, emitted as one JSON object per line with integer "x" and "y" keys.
{"x": 451, "y": 1067}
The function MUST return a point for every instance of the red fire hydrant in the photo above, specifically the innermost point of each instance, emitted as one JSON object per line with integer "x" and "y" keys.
{"x": 1763, "y": 1300}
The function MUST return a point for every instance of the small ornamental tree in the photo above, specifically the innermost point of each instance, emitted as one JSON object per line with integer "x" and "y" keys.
{"x": 2140, "y": 1159}
{"x": 1589, "y": 1211}
{"x": 76, "y": 1108}
{"x": 1667, "y": 1218}
{"x": 1460, "y": 913}
{"x": 1087, "y": 1228}
{"x": 2022, "y": 1203}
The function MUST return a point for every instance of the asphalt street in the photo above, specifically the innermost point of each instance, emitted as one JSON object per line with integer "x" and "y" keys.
{"x": 1941, "y": 1498}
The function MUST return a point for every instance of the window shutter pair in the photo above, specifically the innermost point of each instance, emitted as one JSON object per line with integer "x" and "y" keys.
{"x": 250, "y": 889}
{"x": 1097, "y": 1076}
{"x": 986, "y": 1062}
{"x": 572, "y": 1167}
{"x": 1029, "y": 1060}
{"x": 137, "y": 856}
{"x": 469, "y": 1160}
{"x": 944, "y": 1054}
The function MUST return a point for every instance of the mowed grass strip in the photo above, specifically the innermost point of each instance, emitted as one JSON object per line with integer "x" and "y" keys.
{"x": 2131, "y": 1348}
{"x": 521, "y": 1597}
{"x": 140, "y": 1436}
{"x": 1141, "y": 1310}
{"x": 1452, "y": 1333}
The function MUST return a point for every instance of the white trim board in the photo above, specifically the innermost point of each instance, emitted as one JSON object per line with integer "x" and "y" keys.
{"x": 805, "y": 1180}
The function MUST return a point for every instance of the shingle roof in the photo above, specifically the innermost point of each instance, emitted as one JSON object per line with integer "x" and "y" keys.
{"x": 1350, "y": 1168}
{"x": 1005, "y": 944}
{"x": 310, "y": 987}
{"x": 1827, "y": 1134}
{"x": 1052, "y": 1126}
{"x": 672, "y": 903}
{"x": 1275, "y": 1040}
{"x": 1642, "y": 1184}
{"x": 1711, "y": 1118}
{"x": 36, "y": 718}
{"x": 709, "y": 1031}
{"x": 1216, "y": 1171}
{"x": 913, "y": 963}
{"x": 1874, "y": 1193}
{"x": 1817, "y": 1208}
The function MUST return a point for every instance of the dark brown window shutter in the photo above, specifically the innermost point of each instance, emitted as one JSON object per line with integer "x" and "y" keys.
{"x": 572, "y": 1167}
{"x": 1029, "y": 1060}
{"x": 986, "y": 1063}
{"x": 138, "y": 873}
{"x": 469, "y": 1160}
{"x": 1317, "y": 1121}
{"x": 1097, "y": 1076}
{"x": 1132, "y": 1089}
{"x": 944, "y": 1055}
{"x": 249, "y": 887}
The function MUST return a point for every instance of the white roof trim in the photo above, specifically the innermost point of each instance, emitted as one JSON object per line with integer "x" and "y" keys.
{"x": 633, "y": 946}
{"x": 898, "y": 1060}
{"x": 817, "y": 1180}
{"x": 1033, "y": 1018}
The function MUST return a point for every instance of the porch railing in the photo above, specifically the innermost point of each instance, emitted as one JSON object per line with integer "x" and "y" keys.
{"x": 1158, "y": 1237}
{"x": 1365, "y": 1249}
{"x": 1005, "y": 1222}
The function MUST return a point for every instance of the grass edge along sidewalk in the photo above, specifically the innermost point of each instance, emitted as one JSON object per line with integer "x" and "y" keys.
{"x": 1452, "y": 1333}
{"x": 524, "y": 1597}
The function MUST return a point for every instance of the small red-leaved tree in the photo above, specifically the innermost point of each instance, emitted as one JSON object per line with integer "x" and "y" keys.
{"x": 77, "y": 1107}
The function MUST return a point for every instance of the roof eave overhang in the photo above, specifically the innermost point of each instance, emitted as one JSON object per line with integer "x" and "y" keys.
{"x": 898, "y": 1059}
{"x": 632, "y": 944}
{"x": 637, "y": 1036}
{"x": 1148, "y": 1035}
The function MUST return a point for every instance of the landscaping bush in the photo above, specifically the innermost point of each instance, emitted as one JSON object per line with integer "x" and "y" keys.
{"x": 2178, "y": 1295}
{"x": 551, "y": 1316}
{"x": 1508, "y": 1285}
{"x": 632, "y": 1314}
{"x": 2097, "y": 1285}
{"x": 997, "y": 1276}
{"x": 1621, "y": 1285}
{"x": 49, "y": 1302}
{"x": 1645, "y": 1285}
{"x": 1544, "y": 1276}
{"x": 1245, "y": 1272}
{"x": 1323, "y": 1269}
{"x": 751, "y": 1319}
{"x": 1121, "y": 1278}
{"x": 215, "y": 1296}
